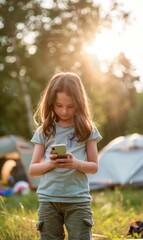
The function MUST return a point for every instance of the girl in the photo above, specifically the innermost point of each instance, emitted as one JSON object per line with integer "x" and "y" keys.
{"x": 63, "y": 192}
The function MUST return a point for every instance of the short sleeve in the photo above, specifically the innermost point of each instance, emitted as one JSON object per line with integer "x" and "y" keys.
{"x": 39, "y": 137}
{"x": 95, "y": 135}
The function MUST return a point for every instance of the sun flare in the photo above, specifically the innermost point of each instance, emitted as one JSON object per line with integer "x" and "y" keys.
{"x": 109, "y": 43}
{"x": 106, "y": 46}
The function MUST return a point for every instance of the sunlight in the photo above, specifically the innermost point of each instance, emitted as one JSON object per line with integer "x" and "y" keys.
{"x": 106, "y": 46}
{"x": 29, "y": 37}
{"x": 132, "y": 44}
{"x": 109, "y": 43}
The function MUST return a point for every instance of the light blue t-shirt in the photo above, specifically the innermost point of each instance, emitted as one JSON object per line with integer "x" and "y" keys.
{"x": 63, "y": 184}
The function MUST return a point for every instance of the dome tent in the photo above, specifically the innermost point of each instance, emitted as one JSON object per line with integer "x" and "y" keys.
{"x": 15, "y": 157}
{"x": 120, "y": 163}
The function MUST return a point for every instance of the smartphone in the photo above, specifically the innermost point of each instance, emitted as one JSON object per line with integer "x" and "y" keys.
{"x": 59, "y": 149}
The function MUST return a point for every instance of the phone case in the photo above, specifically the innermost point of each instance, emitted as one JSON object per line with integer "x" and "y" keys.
{"x": 60, "y": 150}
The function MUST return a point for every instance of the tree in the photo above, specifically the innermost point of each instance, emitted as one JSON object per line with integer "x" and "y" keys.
{"x": 39, "y": 38}
{"x": 13, "y": 69}
{"x": 134, "y": 124}
{"x": 26, "y": 27}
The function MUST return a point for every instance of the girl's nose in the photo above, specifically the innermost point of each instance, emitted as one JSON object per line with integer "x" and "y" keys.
{"x": 64, "y": 109}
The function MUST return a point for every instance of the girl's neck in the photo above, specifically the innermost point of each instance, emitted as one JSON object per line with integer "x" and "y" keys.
{"x": 65, "y": 124}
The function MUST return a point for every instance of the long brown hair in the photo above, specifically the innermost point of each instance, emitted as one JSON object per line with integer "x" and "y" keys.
{"x": 71, "y": 84}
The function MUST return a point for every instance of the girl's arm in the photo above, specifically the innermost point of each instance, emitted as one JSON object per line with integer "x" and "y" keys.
{"x": 89, "y": 167}
{"x": 37, "y": 167}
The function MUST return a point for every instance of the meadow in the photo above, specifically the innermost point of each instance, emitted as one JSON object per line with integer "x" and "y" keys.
{"x": 114, "y": 210}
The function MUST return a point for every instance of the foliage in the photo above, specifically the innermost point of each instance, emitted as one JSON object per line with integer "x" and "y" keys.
{"x": 39, "y": 38}
{"x": 114, "y": 210}
{"x": 35, "y": 41}
{"x": 135, "y": 120}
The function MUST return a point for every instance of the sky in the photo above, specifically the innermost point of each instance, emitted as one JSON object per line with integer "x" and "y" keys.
{"x": 127, "y": 39}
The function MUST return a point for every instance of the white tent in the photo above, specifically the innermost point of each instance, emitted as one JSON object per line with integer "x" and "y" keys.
{"x": 120, "y": 163}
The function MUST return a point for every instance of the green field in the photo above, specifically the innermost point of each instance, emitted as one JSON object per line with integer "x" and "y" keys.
{"x": 114, "y": 210}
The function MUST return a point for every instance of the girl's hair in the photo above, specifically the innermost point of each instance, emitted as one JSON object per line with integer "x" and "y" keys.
{"x": 71, "y": 84}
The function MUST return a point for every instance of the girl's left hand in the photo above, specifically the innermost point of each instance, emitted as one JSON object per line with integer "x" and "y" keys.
{"x": 69, "y": 162}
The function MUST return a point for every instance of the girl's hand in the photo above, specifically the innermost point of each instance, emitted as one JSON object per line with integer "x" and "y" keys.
{"x": 72, "y": 163}
{"x": 53, "y": 160}
{"x": 69, "y": 162}
{"x": 53, "y": 157}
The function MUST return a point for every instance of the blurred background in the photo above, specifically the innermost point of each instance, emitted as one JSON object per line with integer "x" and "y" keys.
{"x": 99, "y": 40}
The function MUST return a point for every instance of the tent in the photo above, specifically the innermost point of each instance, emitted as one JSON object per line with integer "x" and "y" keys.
{"x": 120, "y": 163}
{"x": 15, "y": 157}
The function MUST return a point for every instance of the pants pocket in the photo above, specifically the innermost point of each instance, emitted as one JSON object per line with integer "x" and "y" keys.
{"x": 87, "y": 232}
{"x": 39, "y": 225}
{"x": 88, "y": 222}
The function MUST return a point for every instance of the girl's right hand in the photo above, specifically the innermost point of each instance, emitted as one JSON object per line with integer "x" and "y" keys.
{"x": 53, "y": 157}
{"x": 57, "y": 162}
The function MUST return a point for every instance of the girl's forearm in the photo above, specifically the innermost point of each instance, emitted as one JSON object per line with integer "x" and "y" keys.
{"x": 38, "y": 169}
{"x": 87, "y": 167}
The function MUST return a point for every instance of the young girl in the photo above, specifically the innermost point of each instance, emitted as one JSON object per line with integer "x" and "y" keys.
{"x": 63, "y": 192}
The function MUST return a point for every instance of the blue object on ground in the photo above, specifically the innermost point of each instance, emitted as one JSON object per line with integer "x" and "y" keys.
{"x": 8, "y": 192}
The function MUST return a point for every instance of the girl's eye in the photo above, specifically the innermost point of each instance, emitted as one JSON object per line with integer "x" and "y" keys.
{"x": 71, "y": 106}
{"x": 57, "y": 105}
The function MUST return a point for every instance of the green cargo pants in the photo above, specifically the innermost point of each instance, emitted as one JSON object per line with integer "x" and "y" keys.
{"x": 75, "y": 217}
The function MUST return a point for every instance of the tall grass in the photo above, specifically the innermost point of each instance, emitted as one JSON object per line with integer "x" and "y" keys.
{"x": 113, "y": 210}
{"x": 18, "y": 216}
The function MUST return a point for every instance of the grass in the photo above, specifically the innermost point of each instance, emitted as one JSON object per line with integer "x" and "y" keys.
{"x": 18, "y": 217}
{"x": 114, "y": 210}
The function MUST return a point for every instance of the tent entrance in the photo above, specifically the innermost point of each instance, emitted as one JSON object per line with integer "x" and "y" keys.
{"x": 11, "y": 169}
{"x": 15, "y": 157}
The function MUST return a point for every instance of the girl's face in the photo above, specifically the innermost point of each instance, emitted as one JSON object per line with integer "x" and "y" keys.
{"x": 64, "y": 107}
